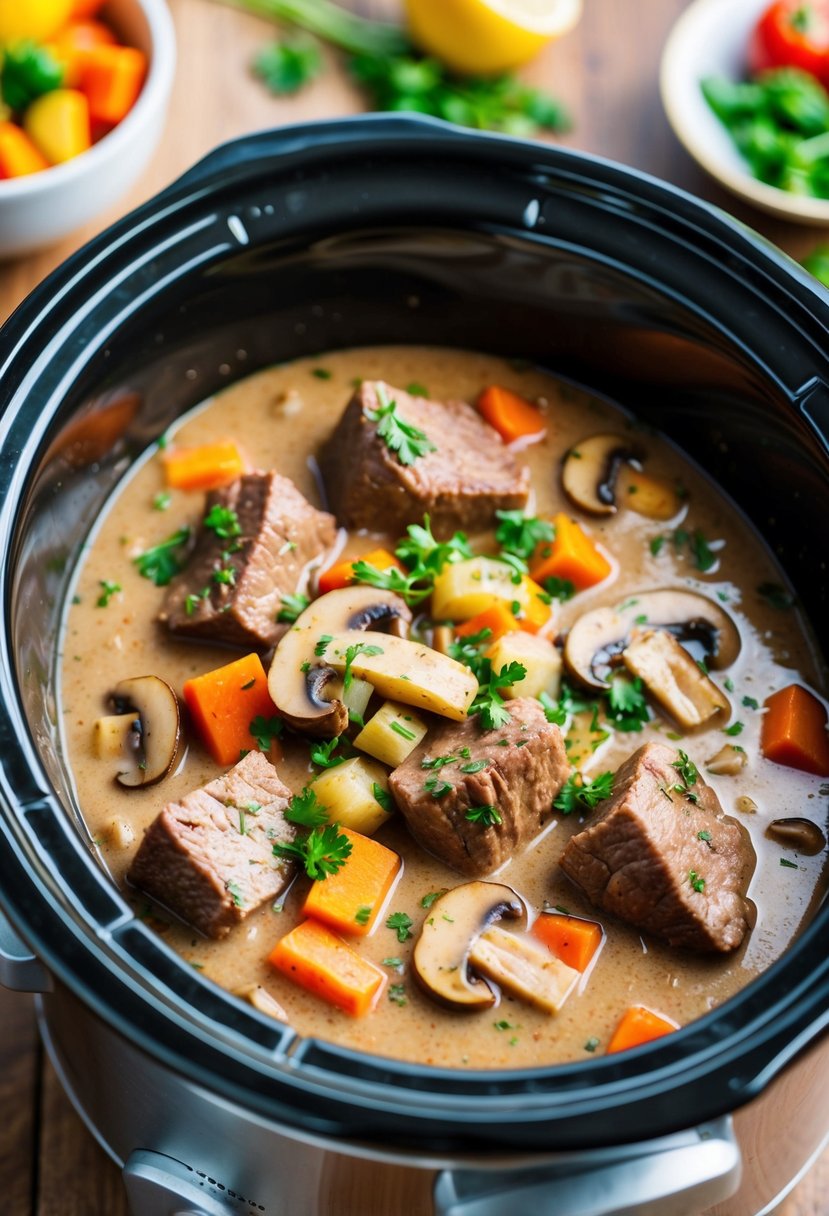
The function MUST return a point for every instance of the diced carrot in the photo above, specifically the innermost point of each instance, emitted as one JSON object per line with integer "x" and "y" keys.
{"x": 111, "y": 78}
{"x": 572, "y": 555}
{"x": 204, "y": 467}
{"x": 535, "y": 606}
{"x": 569, "y": 938}
{"x": 224, "y": 702}
{"x": 352, "y": 899}
{"x": 498, "y": 619}
{"x": 639, "y": 1025}
{"x": 342, "y": 573}
{"x": 73, "y": 44}
{"x": 18, "y": 154}
{"x": 320, "y": 961}
{"x": 513, "y": 417}
{"x": 794, "y": 730}
{"x": 86, "y": 8}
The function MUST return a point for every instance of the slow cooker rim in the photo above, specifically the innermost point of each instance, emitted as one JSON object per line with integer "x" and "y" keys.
{"x": 22, "y": 328}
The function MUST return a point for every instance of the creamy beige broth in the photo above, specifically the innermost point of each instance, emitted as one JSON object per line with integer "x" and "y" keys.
{"x": 281, "y": 415}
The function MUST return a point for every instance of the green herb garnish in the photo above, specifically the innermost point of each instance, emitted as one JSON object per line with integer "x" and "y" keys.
{"x": 401, "y": 924}
{"x": 576, "y": 792}
{"x": 403, "y": 439}
{"x": 292, "y": 607}
{"x": 324, "y": 851}
{"x": 487, "y": 815}
{"x": 161, "y": 562}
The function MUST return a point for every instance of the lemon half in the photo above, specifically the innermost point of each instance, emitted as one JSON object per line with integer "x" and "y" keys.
{"x": 486, "y": 37}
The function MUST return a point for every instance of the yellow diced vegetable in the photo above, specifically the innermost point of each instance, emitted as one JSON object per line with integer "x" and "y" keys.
{"x": 349, "y": 794}
{"x": 465, "y": 589}
{"x": 539, "y": 657}
{"x": 111, "y": 735}
{"x": 58, "y": 124}
{"x": 393, "y": 732}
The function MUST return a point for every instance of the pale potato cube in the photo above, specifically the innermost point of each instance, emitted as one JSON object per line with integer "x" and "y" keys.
{"x": 539, "y": 657}
{"x": 110, "y": 735}
{"x": 118, "y": 834}
{"x": 349, "y": 794}
{"x": 393, "y": 732}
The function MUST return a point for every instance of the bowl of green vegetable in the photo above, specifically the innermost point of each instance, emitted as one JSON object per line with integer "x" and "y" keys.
{"x": 743, "y": 84}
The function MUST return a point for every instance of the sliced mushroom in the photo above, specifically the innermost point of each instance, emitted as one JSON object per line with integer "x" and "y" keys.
{"x": 745, "y": 805}
{"x": 673, "y": 678}
{"x": 524, "y": 969}
{"x": 729, "y": 761}
{"x": 799, "y": 834}
{"x": 302, "y": 685}
{"x": 153, "y": 748}
{"x": 595, "y": 643}
{"x": 262, "y": 1000}
{"x": 456, "y": 921}
{"x": 597, "y": 471}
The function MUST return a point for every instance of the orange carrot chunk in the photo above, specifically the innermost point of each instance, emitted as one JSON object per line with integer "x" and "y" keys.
{"x": 205, "y": 467}
{"x": 639, "y": 1025}
{"x": 498, "y": 619}
{"x": 794, "y": 730}
{"x": 73, "y": 44}
{"x": 19, "y": 156}
{"x": 224, "y": 702}
{"x": 319, "y": 961}
{"x": 572, "y": 555}
{"x": 569, "y": 938}
{"x": 342, "y": 573}
{"x": 352, "y": 899}
{"x": 111, "y": 78}
{"x": 513, "y": 417}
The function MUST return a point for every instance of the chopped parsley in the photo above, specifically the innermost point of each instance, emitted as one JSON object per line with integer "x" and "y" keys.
{"x": 392, "y": 579}
{"x": 162, "y": 500}
{"x": 403, "y": 731}
{"x": 487, "y": 815}
{"x": 488, "y": 703}
{"x": 351, "y": 654}
{"x": 161, "y": 562}
{"x": 697, "y": 882}
{"x": 474, "y": 766}
{"x": 425, "y": 556}
{"x": 776, "y": 596}
{"x": 397, "y": 994}
{"x": 265, "y": 730}
{"x": 592, "y": 1043}
{"x": 559, "y": 588}
{"x": 396, "y": 964}
{"x": 576, "y": 792}
{"x": 223, "y": 521}
{"x": 750, "y": 703}
{"x": 439, "y": 762}
{"x": 363, "y": 914}
{"x": 403, "y": 439}
{"x": 704, "y": 557}
{"x": 191, "y": 602}
{"x": 108, "y": 589}
{"x": 417, "y": 390}
{"x": 383, "y": 797}
{"x": 656, "y": 545}
{"x": 736, "y": 728}
{"x": 324, "y": 851}
{"x": 306, "y": 809}
{"x": 789, "y": 865}
{"x": 503, "y": 1024}
{"x": 468, "y": 650}
{"x": 322, "y": 645}
{"x": 235, "y": 893}
{"x": 704, "y": 836}
{"x": 401, "y": 924}
{"x": 322, "y": 754}
{"x": 321, "y": 373}
{"x": 687, "y": 770}
{"x": 292, "y": 607}
{"x": 520, "y": 535}
{"x": 436, "y": 787}
{"x": 428, "y": 900}
{"x": 628, "y": 709}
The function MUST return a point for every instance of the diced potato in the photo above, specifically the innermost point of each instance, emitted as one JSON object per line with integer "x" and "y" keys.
{"x": 110, "y": 735}
{"x": 464, "y": 589}
{"x": 393, "y": 732}
{"x": 118, "y": 833}
{"x": 405, "y": 671}
{"x": 348, "y": 794}
{"x": 539, "y": 657}
{"x": 520, "y": 967}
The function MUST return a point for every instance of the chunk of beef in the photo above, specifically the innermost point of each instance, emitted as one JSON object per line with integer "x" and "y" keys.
{"x": 518, "y": 769}
{"x": 664, "y": 857}
{"x": 461, "y": 484}
{"x": 232, "y": 588}
{"x": 209, "y": 858}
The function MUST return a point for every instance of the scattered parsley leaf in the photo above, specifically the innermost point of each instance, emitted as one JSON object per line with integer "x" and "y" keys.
{"x": 628, "y": 708}
{"x": 292, "y": 607}
{"x": 396, "y": 964}
{"x": 696, "y": 881}
{"x": 397, "y": 994}
{"x": 265, "y": 730}
{"x": 322, "y": 645}
{"x": 286, "y": 66}
{"x": 363, "y": 914}
{"x": 322, "y": 754}
{"x": 401, "y": 923}
{"x": 351, "y": 654}
{"x": 519, "y": 534}
{"x": 406, "y": 441}
{"x": 437, "y": 788}
{"x": 488, "y": 703}
{"x": 750, "y": 703}
{"x": 321, "y": 373}
{"x": 656, "y": 545}
{"x": 235, "y": 893}
{"x": 686, "y": 768}
{"x": 487, "y": 815}
{"x": 559, "y": 588}
{"x": 383, "y": 797}
{"x": 162, "y": 561}
{"x": 592, "y": 1043}
{"x": 776, "y": 596}
{"x": 108, "y": 589}
{"x": 426, "y": 556}
{"x": 223, "y": 521}
{"x": 576, "y": 792}
{"x": 736, "y": 728}
{"x": 324, "y": 851}
{"x": 306, "y": 809}
{"x": 417, "y": 390}
{"x": 428, "y": 900}
{"x": 789, "y": 865}
{"x": 162, "y": 500}
{"x": 468, "y": 650}
{"x": 392, "y": 579}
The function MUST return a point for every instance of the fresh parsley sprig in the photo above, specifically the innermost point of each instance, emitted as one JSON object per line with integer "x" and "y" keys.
{"x": 519, "y": 534}
{"x": 405, "y": 585}
{"x": 306, "y": 809}
{"x": 489, "y": 704}
{"x": 425, "y": 555}
{"x": 324, "y": 851}
{"x": 162, "y": 561}
{"x": 292, "y": 607}
{"x": 405, "y": 440}
{"x": 223, "y": 521}
{"x": 627, "y": 706}
{"x": 577, "y": 793}
{"x": 322, "y": 754}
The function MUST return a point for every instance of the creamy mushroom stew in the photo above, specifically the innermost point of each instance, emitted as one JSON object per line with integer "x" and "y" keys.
{"x": 556, "y": 710}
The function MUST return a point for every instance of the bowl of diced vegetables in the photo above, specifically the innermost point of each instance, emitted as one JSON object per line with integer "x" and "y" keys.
{"x": 84, "y": 86}
{"x": 744, "y": 84}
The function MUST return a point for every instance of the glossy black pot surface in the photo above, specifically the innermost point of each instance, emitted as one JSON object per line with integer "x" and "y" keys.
{"x": 369, "y": 231}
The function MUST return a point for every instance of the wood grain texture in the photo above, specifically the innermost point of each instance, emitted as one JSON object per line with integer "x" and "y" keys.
{"x": 606, "y": 73}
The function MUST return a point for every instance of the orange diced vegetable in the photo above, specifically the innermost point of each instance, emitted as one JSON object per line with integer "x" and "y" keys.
{"x": 72, "y": 46}
{"x": 352, "y": 899}
{"x": 58, "y": 123}
{"x": 794, "y": 730}
{"x": 342, "y": 573}
{"x": 225, "y": 701}
{"x": 572, "y": 555}
{"x": 316, "y": 959}
{"x": 536, "y": 610}
{"x": 512, "y": 416}
{"x": 569, "y": 938}
{"x": 111, "y": 78}
{"x": 639, "y": 1025}
{"x": 205, "y": 467}
{"x": 86, "y": 8}
{"x": 18, "y": 155}
{"x": 498, "y": 619}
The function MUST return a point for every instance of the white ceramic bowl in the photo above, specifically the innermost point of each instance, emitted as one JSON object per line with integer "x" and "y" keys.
{"x": 710, "y": 39}
{"x": 41, "y": 208}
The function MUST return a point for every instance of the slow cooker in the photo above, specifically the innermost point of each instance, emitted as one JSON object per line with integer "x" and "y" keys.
{"x": 393, "y": 229}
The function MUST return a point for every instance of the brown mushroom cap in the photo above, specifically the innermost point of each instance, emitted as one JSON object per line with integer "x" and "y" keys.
{"x": 597, "y": 639}
{"x": 298, "y": 679}
{"x": 590, "y": 469}
{"x": 456, "y": 920}
{"x": 799, "y": 834}
{"x": 157, "y": 741}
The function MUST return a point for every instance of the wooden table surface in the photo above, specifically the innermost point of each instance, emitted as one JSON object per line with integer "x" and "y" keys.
{"x": 606, "y": 72}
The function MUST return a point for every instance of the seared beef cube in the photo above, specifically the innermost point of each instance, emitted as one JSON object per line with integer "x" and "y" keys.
{"x": 461, "y": 484}
{"x": 664, "y": 858}
{"x": 209, "y": 858}
{"x": 234, "y": 583}
{"x": 517, "y": 769}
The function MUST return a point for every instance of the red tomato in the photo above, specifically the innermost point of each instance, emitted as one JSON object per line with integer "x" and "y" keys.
{"x": 792, "y": 33}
